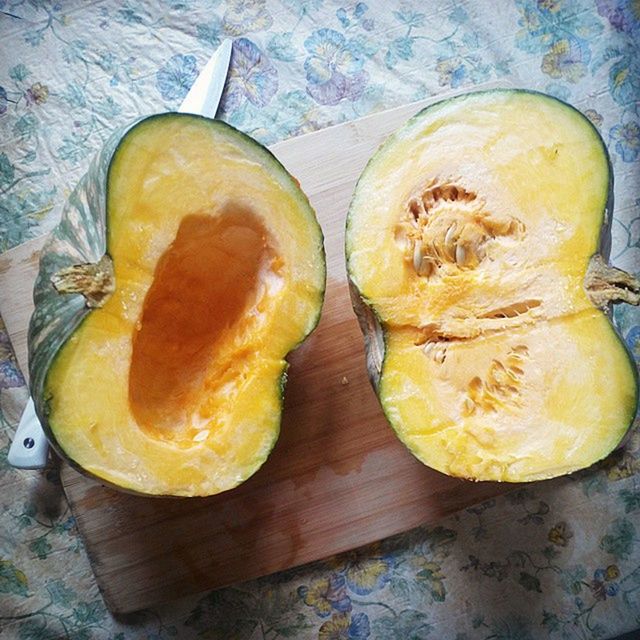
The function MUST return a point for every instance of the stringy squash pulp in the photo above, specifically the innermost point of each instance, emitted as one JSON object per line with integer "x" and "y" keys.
{"x": 214, "y": 272}
{"x": 472, "y": 246}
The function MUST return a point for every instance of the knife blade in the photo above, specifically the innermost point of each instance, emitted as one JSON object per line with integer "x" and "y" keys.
{"x": 204, "y": 96}
{"x": 29, "y": 448}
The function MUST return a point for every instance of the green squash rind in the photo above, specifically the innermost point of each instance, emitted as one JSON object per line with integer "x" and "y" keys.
{"x": 79, "y": 238}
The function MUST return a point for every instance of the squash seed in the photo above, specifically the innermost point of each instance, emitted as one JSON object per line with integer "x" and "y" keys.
{"x": 427, "y": 266}
{"x": 428, "y": 348}
{"x": 417, "y": 255}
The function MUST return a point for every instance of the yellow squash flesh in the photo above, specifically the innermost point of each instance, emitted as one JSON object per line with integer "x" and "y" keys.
{"x": 469, "y": 241}
{"x": 174, "y": 385}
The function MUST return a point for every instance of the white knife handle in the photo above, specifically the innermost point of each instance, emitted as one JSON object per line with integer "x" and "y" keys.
{"x": 29, "y": 448}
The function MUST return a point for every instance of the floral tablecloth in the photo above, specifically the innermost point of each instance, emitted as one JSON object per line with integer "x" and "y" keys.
{"x": 559, "y": 559}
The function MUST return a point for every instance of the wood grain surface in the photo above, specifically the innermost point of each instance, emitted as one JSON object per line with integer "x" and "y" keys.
{"x": 338, "y": 477}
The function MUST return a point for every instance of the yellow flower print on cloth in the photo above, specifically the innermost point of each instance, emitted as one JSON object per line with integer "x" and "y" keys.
{"x": 344, "y": 626}
{"x": 364, "y": 574}
{"x": 560, "y": 534}
{"x": 326, "y": 595}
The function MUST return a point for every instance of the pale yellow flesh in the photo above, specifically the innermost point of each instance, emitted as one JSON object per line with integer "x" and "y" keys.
{"x": 559, "y": 415}
{"x": 174, "y": 386}
{"x": 500, "y": 370}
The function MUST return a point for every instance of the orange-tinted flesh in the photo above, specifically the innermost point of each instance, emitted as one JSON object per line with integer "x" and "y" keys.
{"x": 203, "y": 284}
{"x": 174, "y": 385}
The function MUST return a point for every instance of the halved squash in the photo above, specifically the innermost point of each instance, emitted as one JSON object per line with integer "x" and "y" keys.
{"x": 472, "y": 244}
{"x": 187, "y": 265}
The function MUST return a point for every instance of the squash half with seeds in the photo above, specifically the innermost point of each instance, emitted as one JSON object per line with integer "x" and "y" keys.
{"x": 188, "y": 263}
{"x": 475, "y": 243}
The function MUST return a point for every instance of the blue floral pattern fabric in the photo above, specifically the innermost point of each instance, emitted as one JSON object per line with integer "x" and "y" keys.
{"x": 559, "y": 559}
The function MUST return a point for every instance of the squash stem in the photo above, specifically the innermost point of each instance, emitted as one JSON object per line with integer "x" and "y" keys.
{"x": 95, "y": 281}
{"x": 605, "y": 284}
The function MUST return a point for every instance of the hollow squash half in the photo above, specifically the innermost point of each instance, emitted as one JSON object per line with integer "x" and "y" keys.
{"x": 188, "y": 263}
{"x": 474, "y": 246}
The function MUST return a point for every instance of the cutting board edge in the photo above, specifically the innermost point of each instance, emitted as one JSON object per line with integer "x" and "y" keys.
{"x": 113, "y": 603}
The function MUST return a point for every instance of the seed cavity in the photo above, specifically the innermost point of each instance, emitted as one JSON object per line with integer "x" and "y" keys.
{"x": 513, "y": 310}
{"x": 451, "y": 226}
{"x": 500, "y": 389}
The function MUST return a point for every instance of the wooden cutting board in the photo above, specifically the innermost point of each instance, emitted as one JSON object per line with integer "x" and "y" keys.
{"x": 338, "y": 477}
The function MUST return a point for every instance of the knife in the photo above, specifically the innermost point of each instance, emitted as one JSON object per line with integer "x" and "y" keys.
{"x": 29, "y": 449}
